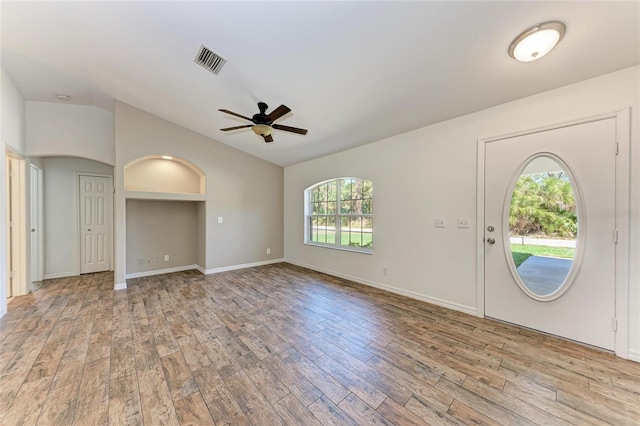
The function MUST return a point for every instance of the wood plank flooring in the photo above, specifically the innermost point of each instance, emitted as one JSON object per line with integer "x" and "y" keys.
{"x": 282, "y": 345}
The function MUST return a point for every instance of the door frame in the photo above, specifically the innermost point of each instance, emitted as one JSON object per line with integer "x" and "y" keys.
{"x": 109, "y": 218}
{"x": 18, "y": 244}
{"x": 622, "y": 206}
{"x": 37, "y": 258}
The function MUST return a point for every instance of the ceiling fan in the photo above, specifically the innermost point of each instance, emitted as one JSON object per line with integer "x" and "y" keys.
{"x": 263, "y": 123}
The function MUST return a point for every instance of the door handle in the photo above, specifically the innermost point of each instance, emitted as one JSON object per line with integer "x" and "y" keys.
{"x": 89, "y": 230}
{"x": 491, "y": 241}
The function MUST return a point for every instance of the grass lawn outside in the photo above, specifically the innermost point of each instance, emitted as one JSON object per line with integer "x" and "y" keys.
{"x": 353, "y": 239}
{"x": 521, "y": 252}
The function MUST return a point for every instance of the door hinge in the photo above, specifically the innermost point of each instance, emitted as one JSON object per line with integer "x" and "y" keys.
{"x": 615, "y": 236}
{"x": 614, "y": 324}
{"x": 617, "y": 148}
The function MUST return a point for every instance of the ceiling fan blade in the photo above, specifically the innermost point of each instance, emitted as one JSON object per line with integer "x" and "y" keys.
{"x": 236, "y": 127}
{"x": 278, "y": 112}
{"x": 235, "y": 113}
{"x": 268, "y": 138}
{"x": 290, "y": 129}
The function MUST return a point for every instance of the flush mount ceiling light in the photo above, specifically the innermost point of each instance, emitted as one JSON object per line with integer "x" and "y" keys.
{"x": 261, "y": 129}
{"x": 63, "y": 98}
{"x": 537, "y": 41}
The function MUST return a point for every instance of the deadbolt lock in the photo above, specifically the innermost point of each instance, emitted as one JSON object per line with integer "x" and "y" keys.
{"x": 490, "y": 228}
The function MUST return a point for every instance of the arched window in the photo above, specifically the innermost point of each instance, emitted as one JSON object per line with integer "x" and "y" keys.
{"x": 339, "y": 214}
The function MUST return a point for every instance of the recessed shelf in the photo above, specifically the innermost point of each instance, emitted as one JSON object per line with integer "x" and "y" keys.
{"x": 143, "y": 195}
{"x": 164, "y": 174}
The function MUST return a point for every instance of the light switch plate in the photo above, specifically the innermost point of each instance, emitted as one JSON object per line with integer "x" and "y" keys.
{"x": 463, "y": 222}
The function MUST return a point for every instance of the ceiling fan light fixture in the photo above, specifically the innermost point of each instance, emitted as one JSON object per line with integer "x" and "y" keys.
{"x": 537, "y": 41}
{"x": 262, "y": 129}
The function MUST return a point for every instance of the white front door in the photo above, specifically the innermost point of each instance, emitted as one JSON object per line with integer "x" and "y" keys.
{"x": 574, "y": 299}
{"x": 96, "y": 194}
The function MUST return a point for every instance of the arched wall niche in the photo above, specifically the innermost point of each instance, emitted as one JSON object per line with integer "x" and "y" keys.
{"x": 156, "y": 173}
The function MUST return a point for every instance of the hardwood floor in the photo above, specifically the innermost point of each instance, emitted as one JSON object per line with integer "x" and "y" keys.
{"x": 283, "y": 345}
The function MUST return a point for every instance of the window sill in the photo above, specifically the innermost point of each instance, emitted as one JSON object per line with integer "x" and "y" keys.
{"x": 342, "y": 248}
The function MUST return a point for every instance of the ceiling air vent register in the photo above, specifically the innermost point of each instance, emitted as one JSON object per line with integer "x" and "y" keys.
{"x": 209, "y": 60}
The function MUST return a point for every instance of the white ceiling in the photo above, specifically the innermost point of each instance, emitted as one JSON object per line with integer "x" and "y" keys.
{"x": 352, "y": 72}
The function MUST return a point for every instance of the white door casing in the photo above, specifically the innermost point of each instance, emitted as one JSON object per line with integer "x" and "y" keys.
{"x": 586, "y": 311}
{"x": 96, "y": 194}
{"x": 8, "y": 204}
{"x": 36, "y": 223}
{"x": 16, "y": 218}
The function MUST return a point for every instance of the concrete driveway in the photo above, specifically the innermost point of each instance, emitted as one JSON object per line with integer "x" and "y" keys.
{"x": 544, "y": 275}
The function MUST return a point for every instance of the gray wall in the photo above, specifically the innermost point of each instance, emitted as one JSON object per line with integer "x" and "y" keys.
{"x": 55, "y": 128}
{"x": 157, "y": 228}
{"x": 245, "y": 191}
{"x": 201, "y": 211}
{"x": 61, "y": 214}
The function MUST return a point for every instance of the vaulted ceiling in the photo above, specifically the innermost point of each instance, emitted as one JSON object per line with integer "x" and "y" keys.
{"x": 352, "y": 72}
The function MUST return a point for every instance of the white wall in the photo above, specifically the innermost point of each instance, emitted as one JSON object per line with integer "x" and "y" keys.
{"x": 69, "y": 130}
{"x": 61, "y": 212}
{"x": 245, "y": 191}
{"x": 431, "y": 173}
{"x": 12, "y": 136}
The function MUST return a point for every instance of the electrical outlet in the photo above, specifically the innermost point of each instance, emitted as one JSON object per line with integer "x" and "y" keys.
{"x": 219, "y": 219}
{"x": 384, "y": 271}
{"x": 166, "y": 257}
{"x": 440, "y": 223}
{"x": 463, "y": 222}
{"x": 268, "y": 251}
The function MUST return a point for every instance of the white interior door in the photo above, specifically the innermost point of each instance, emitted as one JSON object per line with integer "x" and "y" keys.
{"x": 581, "y": 304}
{"x": 95, "y": 223}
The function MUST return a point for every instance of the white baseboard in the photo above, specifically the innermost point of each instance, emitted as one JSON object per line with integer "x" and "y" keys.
{"x": 634, "y": 355}
{"x": 162, "y": 271}
{"x": 433, "y": 300}
{"x": 122, "y": 286}
{"x": 241, "y": 266}
{"x": 60, "y": 275}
